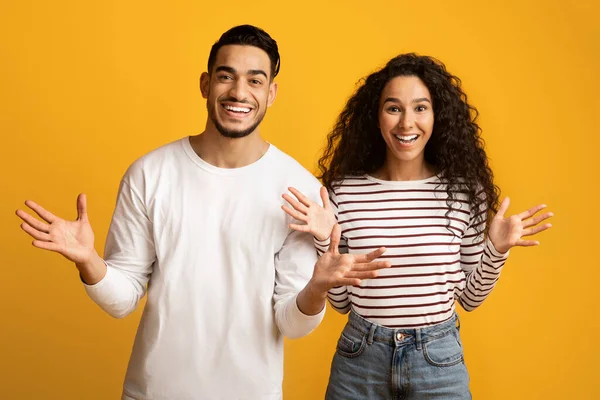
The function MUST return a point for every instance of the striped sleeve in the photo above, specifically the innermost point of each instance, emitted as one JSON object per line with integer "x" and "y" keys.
{"x": 481, "y": 263}
{"x": 338, "y": 296}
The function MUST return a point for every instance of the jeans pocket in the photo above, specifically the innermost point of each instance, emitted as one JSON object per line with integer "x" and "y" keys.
{"x": 351, "y": 347}
{"x": 444, "y": 351}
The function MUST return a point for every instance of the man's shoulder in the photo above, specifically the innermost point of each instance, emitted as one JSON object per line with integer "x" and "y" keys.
{"x": 174, "y": 148}
{"x": 289, "y": 166}
{"x": 155, "y": 160}
{"x": 290, "y": 173}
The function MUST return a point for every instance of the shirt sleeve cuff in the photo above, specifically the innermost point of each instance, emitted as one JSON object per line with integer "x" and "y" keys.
{"x": 322, "y": 243}
{"x": 495, "y": 253}
{"x": 303, "y": 323}
{"x": 101, "y": 288}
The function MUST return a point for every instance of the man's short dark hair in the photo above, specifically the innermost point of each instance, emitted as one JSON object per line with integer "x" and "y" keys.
{"x": 247, "y": 35}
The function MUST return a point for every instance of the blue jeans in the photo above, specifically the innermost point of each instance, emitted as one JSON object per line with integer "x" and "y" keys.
{"x": 375, "y": 362}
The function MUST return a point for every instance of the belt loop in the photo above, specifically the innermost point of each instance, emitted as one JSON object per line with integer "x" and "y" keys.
{"x": 457, "y": 322}
{"x": 418, "y": 338}
{"x": 371, "y": 333}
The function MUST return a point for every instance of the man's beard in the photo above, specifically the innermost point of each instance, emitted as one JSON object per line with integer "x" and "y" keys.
{"x": 234, "y": 133}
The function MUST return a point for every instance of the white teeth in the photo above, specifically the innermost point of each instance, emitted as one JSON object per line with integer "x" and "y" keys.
{"x": 407, "y": 139}
{"x": 237, "y": 109}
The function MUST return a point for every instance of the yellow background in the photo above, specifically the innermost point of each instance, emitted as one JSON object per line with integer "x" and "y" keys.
{"x": 87, "y": 87}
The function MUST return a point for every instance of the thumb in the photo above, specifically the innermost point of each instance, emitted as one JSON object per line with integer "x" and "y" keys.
{"x": 503, "y": 207}
{"x": 335, "y": 239}
{"x": 325, "y": 198}
{"x": 82, "y": 208}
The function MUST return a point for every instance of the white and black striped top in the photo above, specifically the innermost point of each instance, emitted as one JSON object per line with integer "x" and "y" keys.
{"x": 435, "y": 258}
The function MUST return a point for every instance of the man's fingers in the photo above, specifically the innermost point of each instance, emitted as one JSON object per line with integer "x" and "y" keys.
{"x": 361, "y": 274}
{"x": 295, "y": 214}
{"x": 34, "y": 222}
{"x": 294, "y": 203}
{"x": 81, "y": 207}
{"x": 39, "y": 210}
{"x": 34, "y": 233}
{"x": 365, "y": 258}
{"x": 40, "y": 244}
{"x": 371, "y": 266}
{"x": 303, "y": 199}
{"x": 347, "y": 282}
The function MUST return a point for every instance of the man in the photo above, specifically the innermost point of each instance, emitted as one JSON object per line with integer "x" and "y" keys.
{"x": 198, "y": 224}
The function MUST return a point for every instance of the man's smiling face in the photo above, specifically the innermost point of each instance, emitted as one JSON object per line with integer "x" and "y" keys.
{"x": 238, "y": 90}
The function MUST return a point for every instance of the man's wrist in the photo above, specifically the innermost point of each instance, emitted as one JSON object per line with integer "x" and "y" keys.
{"x": 93, "y": 269}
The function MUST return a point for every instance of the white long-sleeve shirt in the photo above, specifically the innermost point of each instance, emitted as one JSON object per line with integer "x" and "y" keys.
{"x": 436, "y": 258}
{"x": 222, "y": 269}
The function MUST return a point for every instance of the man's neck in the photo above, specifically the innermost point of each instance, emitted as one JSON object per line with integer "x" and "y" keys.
{"x": 223, "y": 152}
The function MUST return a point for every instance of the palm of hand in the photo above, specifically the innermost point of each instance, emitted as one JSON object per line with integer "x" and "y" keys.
{"x": 320, "y": 221}
{"x": 331, "y": 270}
{"x": 334, "y": 269}
{"x": 505, "y": 233}
{"x": 73, "y": 239}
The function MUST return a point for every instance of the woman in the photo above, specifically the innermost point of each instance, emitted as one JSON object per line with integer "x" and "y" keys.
{"x": 405, "y": 169}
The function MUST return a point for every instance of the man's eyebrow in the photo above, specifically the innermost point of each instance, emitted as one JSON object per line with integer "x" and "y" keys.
{"x": 257, "y": 72}
{"x": 234, "y": 71}
{"x": 226, "y": 69}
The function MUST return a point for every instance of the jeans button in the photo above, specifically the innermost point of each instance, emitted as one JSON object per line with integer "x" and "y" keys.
{"x": 399, "y": 336}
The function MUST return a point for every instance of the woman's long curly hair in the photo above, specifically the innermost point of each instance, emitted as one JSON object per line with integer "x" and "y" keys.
{"x": 455, "y": 149}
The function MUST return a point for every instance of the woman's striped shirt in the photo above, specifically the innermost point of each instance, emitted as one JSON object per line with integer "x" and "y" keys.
{"x": 436, "y": 258}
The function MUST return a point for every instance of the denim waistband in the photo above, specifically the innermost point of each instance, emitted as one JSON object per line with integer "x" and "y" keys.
{"x": 395, "y": 336}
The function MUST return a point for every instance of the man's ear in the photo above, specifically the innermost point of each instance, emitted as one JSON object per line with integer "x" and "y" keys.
{"x": 204, "y": 84}
{"x": 272, "y": 93}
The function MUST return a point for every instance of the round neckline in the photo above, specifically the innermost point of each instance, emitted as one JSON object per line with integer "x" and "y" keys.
{"x": 196, "y": 159}
{"x": 433, "y": 178}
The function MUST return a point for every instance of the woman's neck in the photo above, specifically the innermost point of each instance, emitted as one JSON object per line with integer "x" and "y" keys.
{"x": 398, "y": 170}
